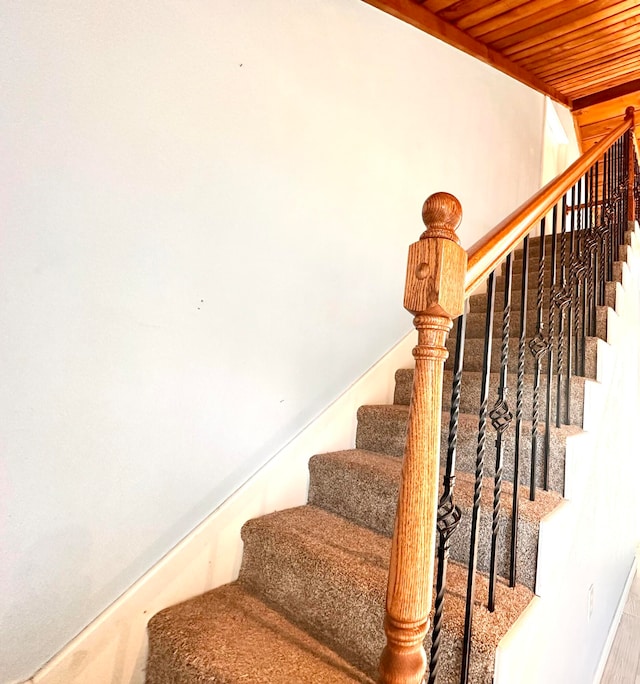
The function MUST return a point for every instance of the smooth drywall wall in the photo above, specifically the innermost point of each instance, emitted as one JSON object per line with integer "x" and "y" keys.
{"x": 205, "y": 210}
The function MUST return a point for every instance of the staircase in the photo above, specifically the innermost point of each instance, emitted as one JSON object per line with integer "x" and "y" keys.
{"x": 308, "y": 605}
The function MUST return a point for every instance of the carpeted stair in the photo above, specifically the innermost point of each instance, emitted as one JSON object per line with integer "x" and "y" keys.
{"x": 308, "y": 604}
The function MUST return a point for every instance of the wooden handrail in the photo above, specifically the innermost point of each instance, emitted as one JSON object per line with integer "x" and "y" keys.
{"x": 488, "y": 252}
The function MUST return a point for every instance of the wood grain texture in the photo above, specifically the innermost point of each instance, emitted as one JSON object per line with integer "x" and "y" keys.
{"x": 623, "y": 664}
{"x": 566, "y": 49}
{"x": 488, "y": 252}
{"x": 425, "y": 20}
{"x": 434, "y": 292}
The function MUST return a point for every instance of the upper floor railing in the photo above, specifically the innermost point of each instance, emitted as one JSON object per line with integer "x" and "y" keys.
{"x": 580, "y": 220}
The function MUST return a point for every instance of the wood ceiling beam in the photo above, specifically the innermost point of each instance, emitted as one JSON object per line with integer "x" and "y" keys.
{"x": 427, "y": 21}
{"x": 608, "y": 94}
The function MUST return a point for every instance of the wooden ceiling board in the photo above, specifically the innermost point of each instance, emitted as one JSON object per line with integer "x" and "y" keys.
{"x": 547, "y": 19}
{"x": 436, "y": 6}
{"x": 497, "y": 14}
{"x": 479, "y": 10}
{"x": 625, "y": 57}
{"x": 627, "y": 89}
{"x": 557, "y": 58}
{"x": 626, "y": 18}
{"x": 583, "y": 91}
{"x": 575, "y": 20}
{"x": 584, "y": 53}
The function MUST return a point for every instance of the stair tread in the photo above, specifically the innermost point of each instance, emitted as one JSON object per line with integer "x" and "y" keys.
{"x": 348, "y": 605}
{"x": 228, "y": 635}
{"x": 382, "y": 467}
{"x": 400, "y": 412}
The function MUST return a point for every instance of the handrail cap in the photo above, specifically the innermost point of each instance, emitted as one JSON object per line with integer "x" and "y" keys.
{"x": 441, "y": 214}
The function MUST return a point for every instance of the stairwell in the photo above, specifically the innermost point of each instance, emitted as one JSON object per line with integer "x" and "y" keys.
{"x": 308, "y": 605}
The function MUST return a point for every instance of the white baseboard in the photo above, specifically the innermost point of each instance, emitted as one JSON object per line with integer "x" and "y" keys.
{"x": 615, "y": 623}
{"x": 113, "y": 648}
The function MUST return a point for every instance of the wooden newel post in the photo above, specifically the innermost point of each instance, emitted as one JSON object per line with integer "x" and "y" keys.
{"x": 630, "y": 114}
{"x": 434, "y": 293}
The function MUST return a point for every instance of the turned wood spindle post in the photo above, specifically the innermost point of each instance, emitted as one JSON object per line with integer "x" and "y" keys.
{"x": 434, "y": 293}
{"x": 631, "y": 156}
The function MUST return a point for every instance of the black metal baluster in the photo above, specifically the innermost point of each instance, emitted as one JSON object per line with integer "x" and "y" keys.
{"x": 538, "y": 347}
{"x": 602, "y": 254}
{"x": 501, "y": 418}
{"x": 550, "y": 335}
{"x": 562, "y": 301}
{"x": 575, "y": 274}
{"x": 570, "y": 300}
{"x": 515, "y": 504}
{"x": 477, "y": 492}
{"x": 584, "y": 272}
{"x": 610, "y": 214}
{"x": 448, "y": 513}
{"x": 595, "y": 250}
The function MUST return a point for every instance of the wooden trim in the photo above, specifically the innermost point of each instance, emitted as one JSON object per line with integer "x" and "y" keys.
{"x": 488, "y": 252}
{"x": 605, "y": 95}
{"x": 427, "y": 21}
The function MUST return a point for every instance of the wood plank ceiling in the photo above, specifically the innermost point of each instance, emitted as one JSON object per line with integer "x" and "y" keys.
{"x": 583, "y": 53}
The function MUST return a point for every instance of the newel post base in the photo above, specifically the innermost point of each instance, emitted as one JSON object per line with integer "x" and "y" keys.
{"x": 434, "y": 293}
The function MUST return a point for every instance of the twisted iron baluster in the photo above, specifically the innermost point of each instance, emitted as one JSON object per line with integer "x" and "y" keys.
{"x": 592, "y": 245}
{"x": 477, "y": 492}
{"x": 501, "y": 418}
{"x": 448, "y": 513}
{"x": 550, "y": 335}
{"x": 515, "y": 504}
{"x": 570, "y": 304}
{"x": 610, "y": 213}
{"x": 538, "y": 347}
{"x": 562, "y": 301}
{"x": 602, "y": 254}
{"x": 579, "y": 273}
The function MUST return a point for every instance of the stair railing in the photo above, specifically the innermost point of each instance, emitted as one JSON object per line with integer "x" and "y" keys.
{"x": 581, "y": 217}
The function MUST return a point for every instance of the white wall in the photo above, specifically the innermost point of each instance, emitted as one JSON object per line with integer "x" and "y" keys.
{"x": 205, "y": 214}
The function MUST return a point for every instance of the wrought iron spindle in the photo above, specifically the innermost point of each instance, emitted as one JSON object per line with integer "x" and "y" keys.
{"x": 592, "y": 245}
{"x": 538, "y": 347}
{"x": 448, "y": 513}
{"x": 570, "y": 303}
{"x": 610, "y": 214}
{"x": 603, "y": 229}
{"x": 477, "y": 492}
{"x": 501, "y": 418}
{"x": 562, "y": 301}
{"x": 550, "y": 340}
{"x": 515, "y": 504}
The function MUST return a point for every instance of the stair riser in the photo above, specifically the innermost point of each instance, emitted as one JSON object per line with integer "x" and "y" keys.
{"x": 478, "y": 301}
{"x": 387, "y": 434}
{"x": 476, "y": 324}
{"x": 474, "y": 354}
{"x": 333, "y": 608}
{"x": 371, "y": 502}
{"x": 470, "y": 395}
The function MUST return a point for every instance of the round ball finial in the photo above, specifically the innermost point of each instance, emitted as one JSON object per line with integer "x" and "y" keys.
{"x": 442, "y": 214}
